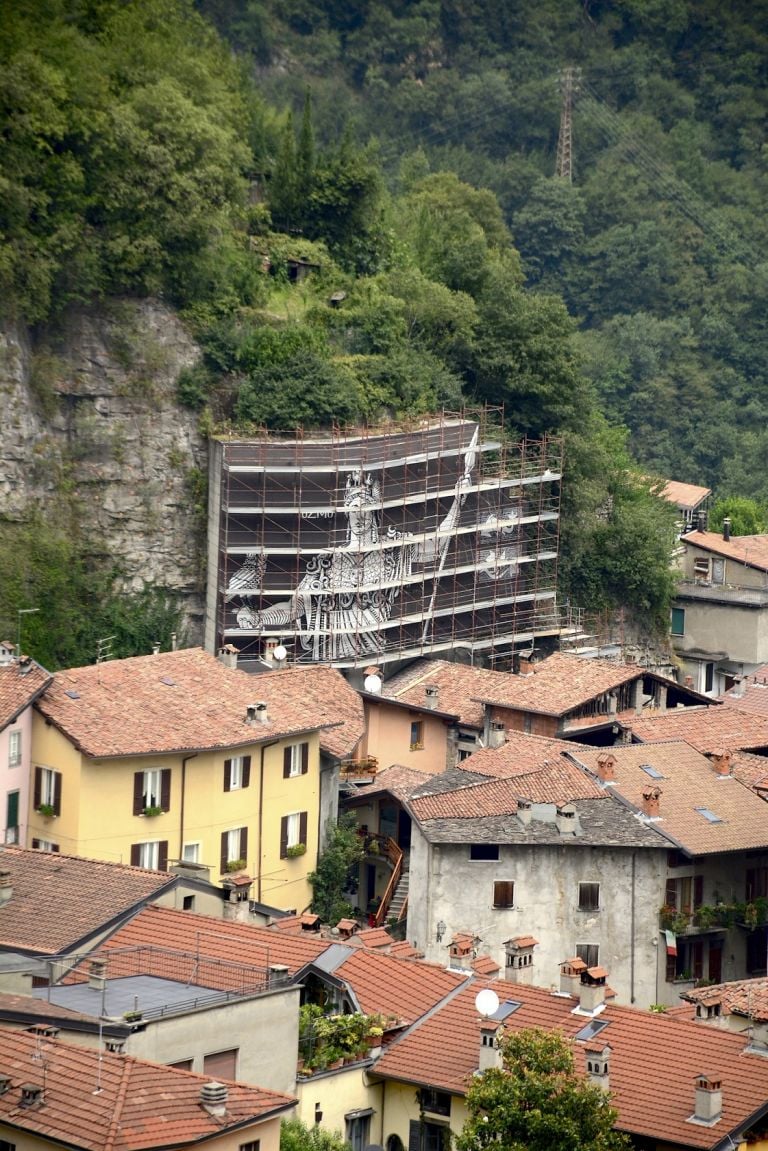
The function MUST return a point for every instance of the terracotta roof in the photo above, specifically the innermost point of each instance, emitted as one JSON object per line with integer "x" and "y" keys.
{"x": 20, "y": 685}
{"x": 392, "y": 986}
{"x": 137, "y": 1106}
{"x": 752, "y": 551}
{"x": 374, "y": 937}
{"x": 484, "y": 965}
{"x": 747, "y": 997}
{"x": 690, "y": 788}
{"x": 654, "y": 1059}
{"x": 707, "y": 729}
{"x": 519, "y": 755}
{"x": 38, "y": 1012}
{"x": 242, "y": 943}
{"x": 460, "y": 687}
{"x": 187, "y": 700}
{"x": 396, "y": 780}
{"x": 684, "y": 495}
{"x": 559, "y": 684}
{"x": 750, "y": 696}
{"x": 60, "y": 900}
{"x": 404, "y": 950}
{"x": 523, "y": 941}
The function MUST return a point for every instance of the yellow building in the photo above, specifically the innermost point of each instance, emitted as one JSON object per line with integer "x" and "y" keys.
{"x": 177, "y": 756}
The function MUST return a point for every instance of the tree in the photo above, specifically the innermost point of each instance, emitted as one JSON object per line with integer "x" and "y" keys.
{"x": 747, "y": 517}
{"x": 295, "y": 1136}
{"x": 343, "y": 851}
{"x": 538, "y": 1102}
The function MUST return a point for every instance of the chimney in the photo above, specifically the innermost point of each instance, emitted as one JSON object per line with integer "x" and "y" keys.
{"x": 722, "y": 761}
{"x": 524, "y": 811}
{"x": 565, "y": 820}
{"x": 269, "y": 648}
{"x": 701, "y": 521}
{"x": 726, "y": 529}
{"x": 228, "y": 655}
{"x": 174, "y": 641}
{"x": 6, "y": 887}
{"x": 613, "y": 703}
{"x": 651, "y": 797}
{"x": 155, "y": 649}
{"x": 527, "y": 667}
{"x": 278, "y": 973}
{"x": 256, "y": 713}
{"x": 490, "y": 1055}
{"x": 213, "y": 1098}
{"x": 31, "y": 1095}
{"x": 498, "y": 735}
{"x": 598, "y": 1061}
{"x": 431, "y": 694}
{"x": 5, "y": 1084}
{"x": 519, "y": 958}
{"x": 570, "y": 975}
{"x": 605, "y": 767}
{"x": 592, "y": 990}
{"x": 97, "y": 974}
{"x": 462, "y": 950}
{"x": 708, "y": 1106}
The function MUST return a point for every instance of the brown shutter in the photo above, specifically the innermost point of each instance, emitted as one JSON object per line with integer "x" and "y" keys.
{"x": 670, "y": 897}
{"x": 138, "y": 792}
{"x": 165, "y": 790}
{"x": 286, "y": 762}
{"x": 244, "y": 843}
{"x": 227, "y": 774}
{"x": 162, "y": 855}
{"x": 414, "y": 1135}
{"x": 38, "y": 797}
{"x": 284, "y": 837}
{"x": 303, "y": 828}
{"x": 246, "y": 773}
{"x": 224, "y": 859}
{"x": 57, "y": 793}
{"x": 698, "y": 890}
{"x": 135, "y": 855}
{"x": 36, "y": 843}
{"x": 304, "y": 758}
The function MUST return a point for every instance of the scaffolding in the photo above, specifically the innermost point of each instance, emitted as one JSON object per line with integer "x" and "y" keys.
{"x": 370, "y": 545}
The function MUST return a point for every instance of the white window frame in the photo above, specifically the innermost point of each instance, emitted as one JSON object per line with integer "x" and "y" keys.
{"x": 14, "y": 747}
{"x": 153, "y": 786}
{"x": 45, "y": 845}
{"x": 47, "y": 786}
{"x": 293, "y": 828}
{"x": 236, "y": 773}
{"x": 295, "y": 767}
{"x": 149, "y": 855}
{"x": 233, "y": 844}
{"x": 190, "y": 852}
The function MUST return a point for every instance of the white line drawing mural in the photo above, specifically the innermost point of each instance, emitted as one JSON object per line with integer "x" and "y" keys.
{"x": 347, "y": 594}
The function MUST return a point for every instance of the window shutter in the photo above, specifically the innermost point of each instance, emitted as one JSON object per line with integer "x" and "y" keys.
{"x": 303, "y": 828}
{"x": 698, "y": 890}
{"x": 244, "y": 843}
{"x": 286, "y": 762}
{"x": 162, "y": 855}
{"x": 224, "y": 856}
{"x": 36, "y": 843}
{"x": 670, "y": 897}
{"x": 414, "y": 1135}
{"x": 227, "y": 774}
{"x": 135, "y": 855}
{"x": 284, "y": 837}
{"x": 304, "y": 758}
{"x": 246, "y": 773}
{"x": 38, "y": 797}
{"x": 57, "y": 793}
{"x": 165, "y": 791}
{"x": 138, "y": 792}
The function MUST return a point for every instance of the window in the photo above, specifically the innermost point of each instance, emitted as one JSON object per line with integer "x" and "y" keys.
{"x": 678, "y": 621}
{"x": 438, "y": 1102}
{"x": 293, "y": 831}
{"x": 484, "y": 851}
{"x": 701, "y": 568}
{"x": 237, "y": 772}
{"x": 183, "y": 1064}
{"x": 589, "y": 952}
{"x": 14, "y": 748}
{"x": 718, "y": 571}
{"x": 504, "y": 893}
{"x": 685, "y": 894}
{"x": 688, "y": 964}
{"x": 757, "y": 883}
{"x": 589, "y": 897}
{"x": 423, "y": 1136}
{"x": 190, "y": 853}
{"x": 188, "y": 903}
{"x": 295, "y": 760}
{"x": 152, "y": 791}
{"x": 6, "y": 1146}
{"x": 709, "y": 676}
{"x": 221, "y": 1064}
{"x": 251, "y": 1145}
{"x": 234, "y": 846}
{"x": 45, "y": 845}
{"x": 358, "y": 1128}
{"x": 417, "y": 735}
{"x": 153, "y": 855}
{"x": 12, "y": 817}
{"x": 47, "y": 790}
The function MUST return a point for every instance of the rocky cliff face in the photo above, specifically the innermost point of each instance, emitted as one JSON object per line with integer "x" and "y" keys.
{"x": 91, "y": 431}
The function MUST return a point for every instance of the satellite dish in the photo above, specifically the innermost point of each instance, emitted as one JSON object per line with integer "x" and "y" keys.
{"x": 372, "y": 684}
{"x": 487, "y": 1002}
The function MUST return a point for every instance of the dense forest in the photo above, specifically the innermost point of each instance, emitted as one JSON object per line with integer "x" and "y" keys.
{"x": 403, "y": 155}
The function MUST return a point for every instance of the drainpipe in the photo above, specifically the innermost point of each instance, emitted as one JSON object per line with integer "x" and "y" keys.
{"x": 264, "y": 747}
{"x": 184, "y": 763}
{"x": 632, "y": 937}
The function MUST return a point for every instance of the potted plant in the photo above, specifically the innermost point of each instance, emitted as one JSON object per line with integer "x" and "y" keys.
{"x": 295, "y": 850}
{"x": 236, "y": 865}
{"x": 132, "y": 1016}
{"x": 47, "y": 809}
{"x": 153, "y": 810}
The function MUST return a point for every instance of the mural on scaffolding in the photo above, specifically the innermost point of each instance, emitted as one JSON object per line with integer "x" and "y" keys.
{"x": 362, "y": 550}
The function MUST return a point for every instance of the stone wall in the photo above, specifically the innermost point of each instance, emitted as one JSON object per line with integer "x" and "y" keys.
{"x": 92, "y": 433}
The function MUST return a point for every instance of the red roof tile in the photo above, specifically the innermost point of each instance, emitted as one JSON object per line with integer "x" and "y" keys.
{"x": 690, "y": 786}
{"x": 559, "y": 684}
{"x": 484, "y": 965}
{"x": 20, "y": 684}
{"x": 459, "y": 687}
{"x": 751, "y": 696}
{"x": 374, "y": 937}
{"x": 187, "y": 700}
{"x": 391, "y": 986}
{"x": 752, "y": 551}
{"x": 708, "y": 728}
{"x": 654, "y": 1059}
{"x": 60, "y": 900}
{"x": 684, "y": 495}
{"x": 747, "y": 997}
{"x": 102, "y": 1102}
{"x": 404, "y": 950}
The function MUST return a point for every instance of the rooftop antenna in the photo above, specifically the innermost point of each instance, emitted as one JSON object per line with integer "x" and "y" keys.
{"x": 20, "y": 612}
{"x": 104, "y": 648}
{"x": 569, "y": 86}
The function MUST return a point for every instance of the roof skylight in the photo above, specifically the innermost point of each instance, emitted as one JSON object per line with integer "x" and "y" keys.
{"x": 504, "y": 1009}
{"x": 591, "y": 1029}
{"x": 649, "y": 769}
{"x": 709, "y": 815}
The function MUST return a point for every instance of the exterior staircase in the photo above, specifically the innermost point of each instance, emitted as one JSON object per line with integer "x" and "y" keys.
{"x": 399, "y": 900}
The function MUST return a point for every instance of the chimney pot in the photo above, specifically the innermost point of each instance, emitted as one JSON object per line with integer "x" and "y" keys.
{"x": 722, "y": 761}
{"x": 490, "y": 1055}
{"x": 256, "y": 713}
{"x": 651, "y": 796}
{"x": 6, "y": 887}
{"x": 708, "y": 1099}
{"x": 213, "y": 1097}
{"x": 31, "y": 1094}
{"x": 605, "y": 767}
{"x": 726, "y": 528}
{"x": 570, "y": 975}
{"x": 228, "y": 655}
{"x": 498, "y": 735}
{"x": 431, "y": 693}
{"x": 598, "y": 1066}
{"x": 592, "y": 990}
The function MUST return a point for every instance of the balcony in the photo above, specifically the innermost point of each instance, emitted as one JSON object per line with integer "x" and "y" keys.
{"x": 722, "y": 593}
{"x": 359, "y": 770}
